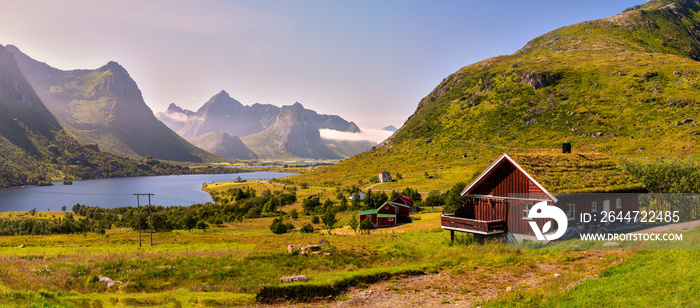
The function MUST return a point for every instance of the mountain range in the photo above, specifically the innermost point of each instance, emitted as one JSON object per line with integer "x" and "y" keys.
{"x": 105, "y": 106}
{"x": 261, "y": 130}
{"x": 626, "y": 86}
{"x": 36, "y": 147}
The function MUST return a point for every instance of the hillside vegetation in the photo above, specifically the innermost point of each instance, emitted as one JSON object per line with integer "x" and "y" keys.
{"x": 622, "y": 86}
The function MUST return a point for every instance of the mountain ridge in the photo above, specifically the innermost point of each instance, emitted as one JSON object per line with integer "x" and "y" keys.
{"x": 271, "y": 132}
{"x": 106, "y": 105}
{"x": 224, "y": 113}
{"x": 36, "y": 148}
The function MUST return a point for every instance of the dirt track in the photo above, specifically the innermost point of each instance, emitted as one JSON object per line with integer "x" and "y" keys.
{"x": 468, "y": 289}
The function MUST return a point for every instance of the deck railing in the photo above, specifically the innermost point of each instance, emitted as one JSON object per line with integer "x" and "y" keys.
{"x": 450, "y": 221}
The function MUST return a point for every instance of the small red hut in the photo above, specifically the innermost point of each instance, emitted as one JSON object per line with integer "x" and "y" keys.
{"x": 387, "y": 215}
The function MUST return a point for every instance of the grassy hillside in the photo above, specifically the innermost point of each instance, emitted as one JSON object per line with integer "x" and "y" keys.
{"x": 622, "y": 86}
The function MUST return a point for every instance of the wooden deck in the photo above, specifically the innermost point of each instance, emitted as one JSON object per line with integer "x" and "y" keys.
{"x": 450, "y": 222}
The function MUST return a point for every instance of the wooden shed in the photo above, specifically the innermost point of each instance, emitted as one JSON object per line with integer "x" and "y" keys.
{"x": 379, "y": 219}
{"x": 499, "y": 200}
{"x": 405, "y": 200}
{"x": 402, "y": 211}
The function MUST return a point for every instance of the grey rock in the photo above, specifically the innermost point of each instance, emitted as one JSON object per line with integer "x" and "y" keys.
{"x": 294, "y": 278}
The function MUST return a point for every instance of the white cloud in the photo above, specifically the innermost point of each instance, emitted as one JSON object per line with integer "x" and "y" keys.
{"x": 374, "y": 135}
{"x": 173, "y": 116}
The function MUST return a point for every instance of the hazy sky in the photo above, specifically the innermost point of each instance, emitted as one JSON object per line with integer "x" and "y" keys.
{"x": 368, "y": 61}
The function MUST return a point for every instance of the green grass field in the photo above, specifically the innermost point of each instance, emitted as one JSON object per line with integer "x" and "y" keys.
{"x": 239, "y": 263}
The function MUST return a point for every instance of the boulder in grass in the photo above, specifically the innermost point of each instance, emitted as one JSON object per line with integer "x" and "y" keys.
{"x": 294, "y": 278}
{"x": 312, "y": 248}
{"x": 107, "y": 281}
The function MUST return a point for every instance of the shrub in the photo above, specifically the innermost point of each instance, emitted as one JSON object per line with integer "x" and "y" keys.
{"x": 329, "y": 220}
{"x": 310, "y": 204}
{"x": 315, "y": 220}
{"x": 366, "y": 226}
{"x": 278, "y": 226}
{"x": 453, "y": 199}
{"x": 354, "y": 223}
{"x": 202, "y": 225}
{"x": 307, "y": 228}
{"x": 434, "y": 199}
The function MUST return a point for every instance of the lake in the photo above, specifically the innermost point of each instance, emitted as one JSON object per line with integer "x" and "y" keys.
{"x": 109, "y": 193}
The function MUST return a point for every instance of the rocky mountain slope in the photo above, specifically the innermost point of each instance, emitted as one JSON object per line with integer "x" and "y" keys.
{"x": 292, "y": 134}
{"x": 624, "y": 86}
{"x": 224, "y": 144}
{"x": 35, "y": 148}
{"x": 106, "y": 106}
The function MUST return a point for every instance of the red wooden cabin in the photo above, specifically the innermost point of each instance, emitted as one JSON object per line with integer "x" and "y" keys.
{"x": 499, "y": 200}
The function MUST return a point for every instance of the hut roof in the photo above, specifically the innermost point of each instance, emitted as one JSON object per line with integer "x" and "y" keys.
{"x": 578, "y": 173}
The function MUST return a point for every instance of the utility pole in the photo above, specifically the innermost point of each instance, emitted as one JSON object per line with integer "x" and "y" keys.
{"x": 150, "y": 225}
{"x": 138, "y": 209}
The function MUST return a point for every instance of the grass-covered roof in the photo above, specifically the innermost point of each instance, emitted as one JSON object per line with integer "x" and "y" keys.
{"x": 577, "y": 173}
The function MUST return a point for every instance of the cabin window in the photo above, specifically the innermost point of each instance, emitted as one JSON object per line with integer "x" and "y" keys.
{"x": 391, "y": 219}
{"x": 618, "y": 203}
{"x": 594, "y": 206}
{"x": 571, "y": 211}
{"x": 526, "y": 209}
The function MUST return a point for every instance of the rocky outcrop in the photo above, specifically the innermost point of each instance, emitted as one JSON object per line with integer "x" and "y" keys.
{"x": 536, "y": 80}
{"x": 294, "y": 278}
